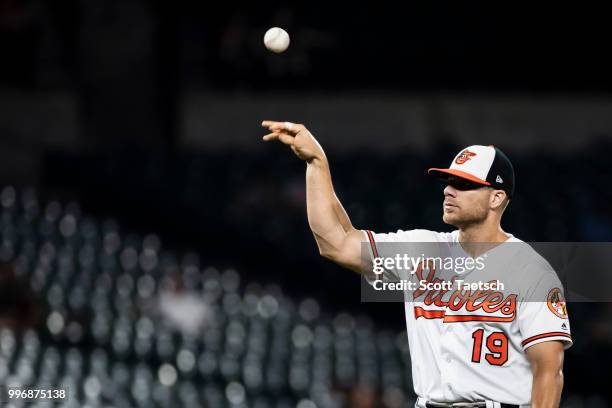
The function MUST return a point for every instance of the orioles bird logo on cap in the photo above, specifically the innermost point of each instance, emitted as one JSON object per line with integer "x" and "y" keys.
{"x": 464, "y": 156}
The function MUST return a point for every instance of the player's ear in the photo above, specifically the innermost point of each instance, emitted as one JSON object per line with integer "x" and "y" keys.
{"x": 499, "y": 200}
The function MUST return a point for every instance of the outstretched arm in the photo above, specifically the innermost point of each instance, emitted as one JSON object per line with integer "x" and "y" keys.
{"x": 336, "y": 237}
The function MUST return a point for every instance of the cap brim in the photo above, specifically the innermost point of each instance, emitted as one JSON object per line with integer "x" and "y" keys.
{"x": 444, "y": 173}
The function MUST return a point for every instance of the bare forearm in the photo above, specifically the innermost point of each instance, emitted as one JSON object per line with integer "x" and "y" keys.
{"x": 342, "y": 215}
{"x": 326, "y": 216}
{"x": 546, "y": 389}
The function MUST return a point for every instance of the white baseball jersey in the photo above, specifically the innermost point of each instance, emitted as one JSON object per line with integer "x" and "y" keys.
{"x": 466, "y": 347}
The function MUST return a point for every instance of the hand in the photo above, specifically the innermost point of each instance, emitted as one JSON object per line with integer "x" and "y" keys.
{"x": 296, "y": 136}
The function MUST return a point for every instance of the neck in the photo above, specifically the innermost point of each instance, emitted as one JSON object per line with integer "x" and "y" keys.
{"x": 488, "y": 231}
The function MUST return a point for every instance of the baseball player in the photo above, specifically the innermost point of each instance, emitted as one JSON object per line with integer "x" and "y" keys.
{"x": 468, "y": 348}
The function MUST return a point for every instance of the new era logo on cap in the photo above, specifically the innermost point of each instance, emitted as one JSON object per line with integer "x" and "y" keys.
{"x": 485, "y": 165}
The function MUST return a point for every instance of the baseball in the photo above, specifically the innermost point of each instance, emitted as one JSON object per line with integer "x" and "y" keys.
{"x": 276, "y": 40}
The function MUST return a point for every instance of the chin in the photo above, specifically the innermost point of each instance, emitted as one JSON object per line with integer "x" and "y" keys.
{"x": 450, "y": 219}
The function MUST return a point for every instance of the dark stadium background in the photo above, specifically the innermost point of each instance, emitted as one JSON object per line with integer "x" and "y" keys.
{"x": 148, "y": 112}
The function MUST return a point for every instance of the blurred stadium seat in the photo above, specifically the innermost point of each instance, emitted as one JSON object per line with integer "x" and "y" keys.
{"x": 122, "y": 322}
{"x": 105, "y": 336}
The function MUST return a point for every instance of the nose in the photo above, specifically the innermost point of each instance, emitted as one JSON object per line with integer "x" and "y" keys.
{"x": 450, "y": 191}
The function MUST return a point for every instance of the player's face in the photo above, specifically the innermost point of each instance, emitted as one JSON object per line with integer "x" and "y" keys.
{"x": 465, "y": 203}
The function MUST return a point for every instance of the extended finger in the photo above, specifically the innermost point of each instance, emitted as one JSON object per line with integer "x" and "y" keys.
{"x": 271, "y": 136}
{"x": 282, "y": 137}
{"x": 289, "y": 127}
{"x": 286, "y": 138}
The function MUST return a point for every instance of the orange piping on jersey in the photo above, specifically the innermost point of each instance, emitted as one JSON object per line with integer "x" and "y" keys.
{"x": 428, "y": 314}
{"x": 476, "y": 318}
{"x": 545, "y": 335}
{"x": 372, "y": 243}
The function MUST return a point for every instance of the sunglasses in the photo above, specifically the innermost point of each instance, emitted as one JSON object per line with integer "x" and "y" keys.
{"x": 463, "y": 184}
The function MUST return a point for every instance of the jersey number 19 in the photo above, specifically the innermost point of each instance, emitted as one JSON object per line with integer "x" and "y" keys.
{"x": 496, "y": 343}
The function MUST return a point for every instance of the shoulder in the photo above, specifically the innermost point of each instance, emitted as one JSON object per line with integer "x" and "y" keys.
{"x": 414, "y": 235}
{"x": 533, "y": 262}
{"x": 535, "y": 270}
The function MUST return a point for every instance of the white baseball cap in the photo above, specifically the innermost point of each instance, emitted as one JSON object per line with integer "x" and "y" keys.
{"x": 486, "y": 165}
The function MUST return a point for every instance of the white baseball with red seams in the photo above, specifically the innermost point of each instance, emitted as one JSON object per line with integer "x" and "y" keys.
{"x": 462, "y": 352}
{"x": 276, "y": 40}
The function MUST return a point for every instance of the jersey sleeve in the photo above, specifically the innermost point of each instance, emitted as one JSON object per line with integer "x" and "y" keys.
{"x": 388, "y": 245}
{"x": 543, "y": 314}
